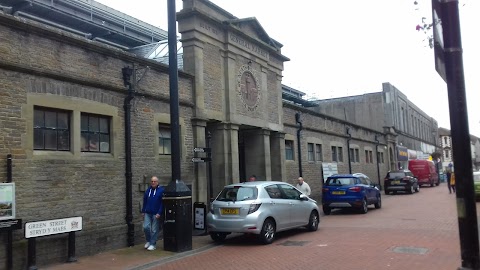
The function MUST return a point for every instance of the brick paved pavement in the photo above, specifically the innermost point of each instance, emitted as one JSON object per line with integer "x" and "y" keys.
{"x": 389, "y": 238}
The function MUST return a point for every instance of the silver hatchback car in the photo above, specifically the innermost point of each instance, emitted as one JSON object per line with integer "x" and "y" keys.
{"x": 262, "y": 208}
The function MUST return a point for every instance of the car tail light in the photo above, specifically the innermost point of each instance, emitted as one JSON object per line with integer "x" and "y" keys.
{"x": 355, "y": 189}
{"x": 253, "y": 207}
{"x": 324, "y": 189}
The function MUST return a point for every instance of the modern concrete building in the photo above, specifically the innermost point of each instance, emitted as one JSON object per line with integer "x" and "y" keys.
{"x": 410, "y": 132}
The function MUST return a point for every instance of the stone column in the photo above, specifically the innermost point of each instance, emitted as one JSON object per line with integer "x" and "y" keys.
{"x": 277, "y": 152}
{"x": 224, "y": 156}
{"x": 200, "y": 188}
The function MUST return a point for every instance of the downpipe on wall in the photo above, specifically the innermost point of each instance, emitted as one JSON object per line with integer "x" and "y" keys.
{"x": 299, "y": 143}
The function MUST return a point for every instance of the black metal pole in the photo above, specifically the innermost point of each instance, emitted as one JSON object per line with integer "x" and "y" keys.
{"x": 377, "y": 142}
{"x": 127, "y": 73}
{"x": 71, "y": 247}
{"x": 466, "y": 206}
{"x": 32, "y": 256}
{"x": 348, "y": 151}
{"x": 10, "y": 231}
{"x": 174, "y": 103}
{"x": 299, "y": 143}
{"x": 210, "y": 184}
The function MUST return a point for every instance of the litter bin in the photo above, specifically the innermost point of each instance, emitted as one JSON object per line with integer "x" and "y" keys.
{"x": 200, "y": 210}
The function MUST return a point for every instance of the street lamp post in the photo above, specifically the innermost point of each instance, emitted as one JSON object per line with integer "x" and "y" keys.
{"x": 348, "y": 150}
{"x": 377, "y": 142}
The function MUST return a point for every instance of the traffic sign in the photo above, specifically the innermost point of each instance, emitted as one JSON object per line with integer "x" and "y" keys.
{"x": 201, "y": 159}
{"x": 202, "y": 150}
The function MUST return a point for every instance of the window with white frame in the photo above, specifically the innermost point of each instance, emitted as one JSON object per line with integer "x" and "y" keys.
{"x": 288, "y": 149}
{"x": 164, "y": 139}
{"x": 311, "y": 153}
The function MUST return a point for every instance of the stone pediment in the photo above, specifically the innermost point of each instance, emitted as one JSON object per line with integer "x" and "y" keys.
{"x": 253, "y": 28}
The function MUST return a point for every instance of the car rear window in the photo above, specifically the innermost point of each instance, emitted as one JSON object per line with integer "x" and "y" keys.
{"x": 238, "y": 193}
{"x": 396, "y": 175}
{"x": 344, "y": 181}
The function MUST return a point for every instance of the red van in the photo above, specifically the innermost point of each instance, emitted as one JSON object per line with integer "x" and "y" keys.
{"x": 424, "y": 171}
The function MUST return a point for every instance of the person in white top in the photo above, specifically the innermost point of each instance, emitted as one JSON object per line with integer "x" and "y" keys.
{"x": 303, "y": 187}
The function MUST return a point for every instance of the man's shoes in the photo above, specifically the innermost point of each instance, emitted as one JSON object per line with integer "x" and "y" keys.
{"x": 151, "y": 247}
{"x": 147, "y": 245}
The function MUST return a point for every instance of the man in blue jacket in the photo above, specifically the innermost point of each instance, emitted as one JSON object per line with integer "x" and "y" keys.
{"x": 152, "y": 212}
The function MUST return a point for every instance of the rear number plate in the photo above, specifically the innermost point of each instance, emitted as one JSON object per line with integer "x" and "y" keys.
{"x": 229, "y": 211}
{"x": 341, "y": 192}
{"x": 395, "y": 182}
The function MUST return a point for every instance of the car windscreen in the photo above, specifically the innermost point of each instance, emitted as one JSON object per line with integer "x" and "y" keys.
{"x": 237, "y": 193}
{"x": 343, "y": 181}
{"x": 396, "y": 175}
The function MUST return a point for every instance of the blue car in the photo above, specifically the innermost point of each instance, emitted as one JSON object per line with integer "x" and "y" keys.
{"x": 350, "y": 191}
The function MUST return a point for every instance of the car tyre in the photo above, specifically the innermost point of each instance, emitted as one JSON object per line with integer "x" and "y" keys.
{"x": 327, "y": 210}
{"x": 313, "y": 221}
{"x": 432, "y": 184}
{"x": 378, "y": 204}
{"x": 364, "y": 208}
{"x": 387, "y": 192}
{"x": 218, "y": 236}
{"x": 267, "y": 234}
{"x": 417, "y": 189}
{"x": 411, "y": 191}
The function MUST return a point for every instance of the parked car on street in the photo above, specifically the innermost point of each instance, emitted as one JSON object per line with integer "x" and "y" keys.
{"x": 425, "y": 171}
{"x": 350, "y": 191}
{"x": 400, "y": 180}
{"x": 262, "y": 208}
{"x": 476, "y": 184}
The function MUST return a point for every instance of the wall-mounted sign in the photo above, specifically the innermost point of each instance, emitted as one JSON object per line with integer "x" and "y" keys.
{"x": 54, "y": 226}
{"x": 402, "y": 153}
{"x": 329, "y": 169}
{"x": 7, "y": 201}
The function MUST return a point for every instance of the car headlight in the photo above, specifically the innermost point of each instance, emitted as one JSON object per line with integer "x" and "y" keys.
{"x": 253, "y": 207}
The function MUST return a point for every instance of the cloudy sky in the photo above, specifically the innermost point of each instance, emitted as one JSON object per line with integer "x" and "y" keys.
{"x": 350, "y": 47}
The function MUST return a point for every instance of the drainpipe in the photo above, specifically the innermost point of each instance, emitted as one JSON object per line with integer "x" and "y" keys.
{"x": 299, "y": 144}
{"x": 348, "y": 150}
{"x": 127, "y": 73}
{"x": 377, "y": 142}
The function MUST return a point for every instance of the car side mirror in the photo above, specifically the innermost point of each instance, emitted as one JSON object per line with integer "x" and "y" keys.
{"x": 303, "y": 197}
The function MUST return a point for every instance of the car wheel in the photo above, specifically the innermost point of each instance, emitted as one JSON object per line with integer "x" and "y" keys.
{"x": 364, "y": 208}
{"x": 218, "y": 236}
{"x": 418, "y": 188}
{"x": 267, "y": 234}
{"x": 411, "y": 191}
{"x": 432, "y": 184}
{"x": 313, "y": 221}
{"x": 327, "y": 210}
{"x": 387, "y": 192}
{"x": 378, "y": 204}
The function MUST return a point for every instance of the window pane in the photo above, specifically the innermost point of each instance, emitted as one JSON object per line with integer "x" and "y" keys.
{"x": 38, "y": 120}
{"x": 334, "y": 153}
{"x": 340, "y": 154}
{"x": 167, "y": 149}
{"x": 50, "y": 119}
{"x": 62, "y": 120}
{"x": 352, "y": 156}
{"x": 84, "y": 142}
{"x": 164, "y": 132}
{"x": 104, "y": 127}
{"x": 84, "y": 122}
{"x": 94, "y": 143}
{"x": 104, "y": 143}
{"x": 64, "y": 140}
{"x": 38, "y": 139}
{"x": 50, "y": 139}
{"x": 93, "y": 124}
{"x": 357, "y": 155}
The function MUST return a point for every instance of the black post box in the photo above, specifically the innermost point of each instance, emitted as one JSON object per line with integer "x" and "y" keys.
{"x": 177, "y": 227}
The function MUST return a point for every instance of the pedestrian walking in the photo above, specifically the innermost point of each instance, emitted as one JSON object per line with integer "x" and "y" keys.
{"x": 252, "y": 178}
{"x": 152, "y": 213}
{"x": 452, "y": 181}
{"x": 449, "y": 177}
{"x": 303, "y": 186}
